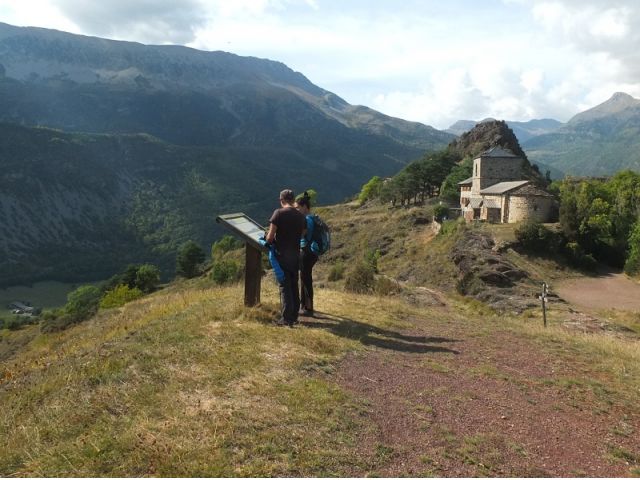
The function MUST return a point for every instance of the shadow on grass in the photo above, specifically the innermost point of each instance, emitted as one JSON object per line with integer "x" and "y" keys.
{"x": 375, "y": 336}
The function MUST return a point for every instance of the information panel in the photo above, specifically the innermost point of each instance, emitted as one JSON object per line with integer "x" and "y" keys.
{"x": 244, "y": 227}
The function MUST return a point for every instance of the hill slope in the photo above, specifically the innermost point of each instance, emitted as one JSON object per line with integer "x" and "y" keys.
{"x": 599, "y": 141}
{"x": 187, "y": 382}
{"x": 228, "y": 132}
{"x": 81, "y": 206}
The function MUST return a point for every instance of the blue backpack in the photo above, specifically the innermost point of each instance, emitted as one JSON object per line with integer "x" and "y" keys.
{"x": 320, "y": 235}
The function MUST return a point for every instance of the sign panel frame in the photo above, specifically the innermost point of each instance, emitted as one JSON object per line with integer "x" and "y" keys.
{"x": 243, "y": 227}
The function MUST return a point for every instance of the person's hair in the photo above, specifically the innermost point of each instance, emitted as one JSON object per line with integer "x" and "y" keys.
{"x": 287, "y": 196}
{"x": 304, "y": 200}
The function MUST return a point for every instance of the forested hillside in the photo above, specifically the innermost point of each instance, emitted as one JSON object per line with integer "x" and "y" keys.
{"x": 155, "y": 141}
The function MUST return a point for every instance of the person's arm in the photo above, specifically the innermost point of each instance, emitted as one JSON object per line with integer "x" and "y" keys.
{"x": 271, "y": 235}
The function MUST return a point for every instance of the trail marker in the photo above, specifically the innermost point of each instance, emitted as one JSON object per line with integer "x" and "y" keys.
{"x": 249, "y": 231}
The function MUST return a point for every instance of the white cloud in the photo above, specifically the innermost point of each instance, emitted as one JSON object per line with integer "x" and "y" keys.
{"x": 36, "y": 13}
{"x": 435, "y": 62}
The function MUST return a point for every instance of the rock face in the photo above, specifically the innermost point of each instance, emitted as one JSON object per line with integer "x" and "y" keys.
{"x": 486, "y": 275}
{"x": 486, "y": 135}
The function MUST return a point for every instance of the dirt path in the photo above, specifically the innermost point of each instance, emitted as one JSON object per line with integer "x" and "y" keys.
{"x": 609, "y": 290}
{"x": 446, "y": 399}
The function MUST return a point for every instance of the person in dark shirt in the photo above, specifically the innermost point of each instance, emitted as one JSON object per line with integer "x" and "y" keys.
{"x": 285, "y": 230}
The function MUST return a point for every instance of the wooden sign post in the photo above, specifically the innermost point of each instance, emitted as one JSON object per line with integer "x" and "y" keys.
{"x": 250, "y": 232}
{"x": 543, "y": 299}
{"x": 252, "y": 276}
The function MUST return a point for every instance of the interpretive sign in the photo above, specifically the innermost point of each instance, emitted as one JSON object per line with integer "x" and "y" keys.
{"x": 249, "y": 231}
{"x": 243, "y": 227}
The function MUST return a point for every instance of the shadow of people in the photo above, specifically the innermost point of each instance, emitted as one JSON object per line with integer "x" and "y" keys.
{"x": 371, "y": 335}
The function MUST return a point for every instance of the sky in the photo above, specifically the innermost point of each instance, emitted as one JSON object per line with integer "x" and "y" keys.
{"x": 430, "y": 61}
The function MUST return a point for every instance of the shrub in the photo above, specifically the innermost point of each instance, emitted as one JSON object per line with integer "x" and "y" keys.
{"x": 147, "y": 278}
{"x": 371, "y": 258}
{"x": 83, "y": 302}
{"x": 225, "y": 271}
{"x": 13, "y": 323}
{"x": 386, "y": 286}
{"x": 535, "y": 237}
{"x": 360, "y": 279}
{"x": 224, "y": 245}
{"x": 577, "y": 257}
{"x": 189, "y": 259}
{"x": 440, "y": 212}
{"x": 451, "y": 227}
{"x": 119, "y": 296}
{"x": 632, "y": 265}
{"x": 370, "y": 190}
{"x": 336, "y": 272}
{"x": 57, "y": 323}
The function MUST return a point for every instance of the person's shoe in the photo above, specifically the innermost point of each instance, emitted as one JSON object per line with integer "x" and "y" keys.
{"x": 306, "y": 313}
{"x": 281, "y": 323}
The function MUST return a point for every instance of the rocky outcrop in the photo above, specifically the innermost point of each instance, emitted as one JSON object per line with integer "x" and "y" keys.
{"x": 486, "y": 275}
{"x": 484, "y": 136}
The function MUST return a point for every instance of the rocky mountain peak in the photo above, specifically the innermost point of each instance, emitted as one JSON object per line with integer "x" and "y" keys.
{"x": 618, "y": 102}
{"x": 485, "y": 135}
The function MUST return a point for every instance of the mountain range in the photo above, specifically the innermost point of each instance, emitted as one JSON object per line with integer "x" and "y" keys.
{"x": 523, "y": 130}
{"x": 599, "y": 141}
{"x": 113, "y": 151}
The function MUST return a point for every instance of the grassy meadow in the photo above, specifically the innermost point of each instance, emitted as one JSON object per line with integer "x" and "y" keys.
{"x": 188, "y": 382}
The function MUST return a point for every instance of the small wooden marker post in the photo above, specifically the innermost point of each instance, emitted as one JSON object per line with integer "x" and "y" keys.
{"x": 250, "y": 232}
{"x": 543, "y": 299}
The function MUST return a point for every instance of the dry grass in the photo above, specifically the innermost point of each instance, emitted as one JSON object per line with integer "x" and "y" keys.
{"x": 187, "y": 382}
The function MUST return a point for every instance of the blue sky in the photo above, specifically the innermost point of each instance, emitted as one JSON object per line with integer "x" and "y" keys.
{"x": 429, "y": 61}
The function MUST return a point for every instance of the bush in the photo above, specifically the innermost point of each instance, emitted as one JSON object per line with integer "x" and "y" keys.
{"x": 225, "y": 271}
{"x": 535, "y": 237}
{"x": 577, "y": 257}
{"x": 370, "y": 190}
{"x": 632, "y": 265}
{"x": 360, "y": 280}
{"x": 371, "y": 258}
{"x": 386, "y": 286}
{"x": 224, "y": 245}
{"x": 147, "y": 278}
{"x": 440, "y": 213}
{"x": 13, "y": 323}
{"x": 83, "y": 302}
{"x": 119, "y": 296}
{"x": 451, "y": 227}
{"x": 336, "y": 272}
{"x": 56, "y": 323}
{"x": 189, "y": 259}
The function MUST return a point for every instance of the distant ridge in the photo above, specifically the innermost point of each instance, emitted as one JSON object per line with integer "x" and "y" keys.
{"x": 523, "y": 130}
{"x": 599, "y": 141}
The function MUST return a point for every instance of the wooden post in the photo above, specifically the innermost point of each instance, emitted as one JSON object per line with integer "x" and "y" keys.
{"x": 543, "y": 299}
{"x": 252, "y": 276}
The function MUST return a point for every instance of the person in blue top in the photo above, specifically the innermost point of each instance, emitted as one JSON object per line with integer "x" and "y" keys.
{"x": 308, "y": 257}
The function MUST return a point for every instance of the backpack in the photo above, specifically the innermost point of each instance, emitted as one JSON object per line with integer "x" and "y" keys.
{"x": 320, "y": 237}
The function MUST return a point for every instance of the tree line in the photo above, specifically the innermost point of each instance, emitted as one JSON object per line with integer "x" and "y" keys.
{"x": 417, "y": 181}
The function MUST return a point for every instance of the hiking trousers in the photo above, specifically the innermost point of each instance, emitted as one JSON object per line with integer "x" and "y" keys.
{"x": 289, "y": 296}
{"x": 307, "y": 260}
